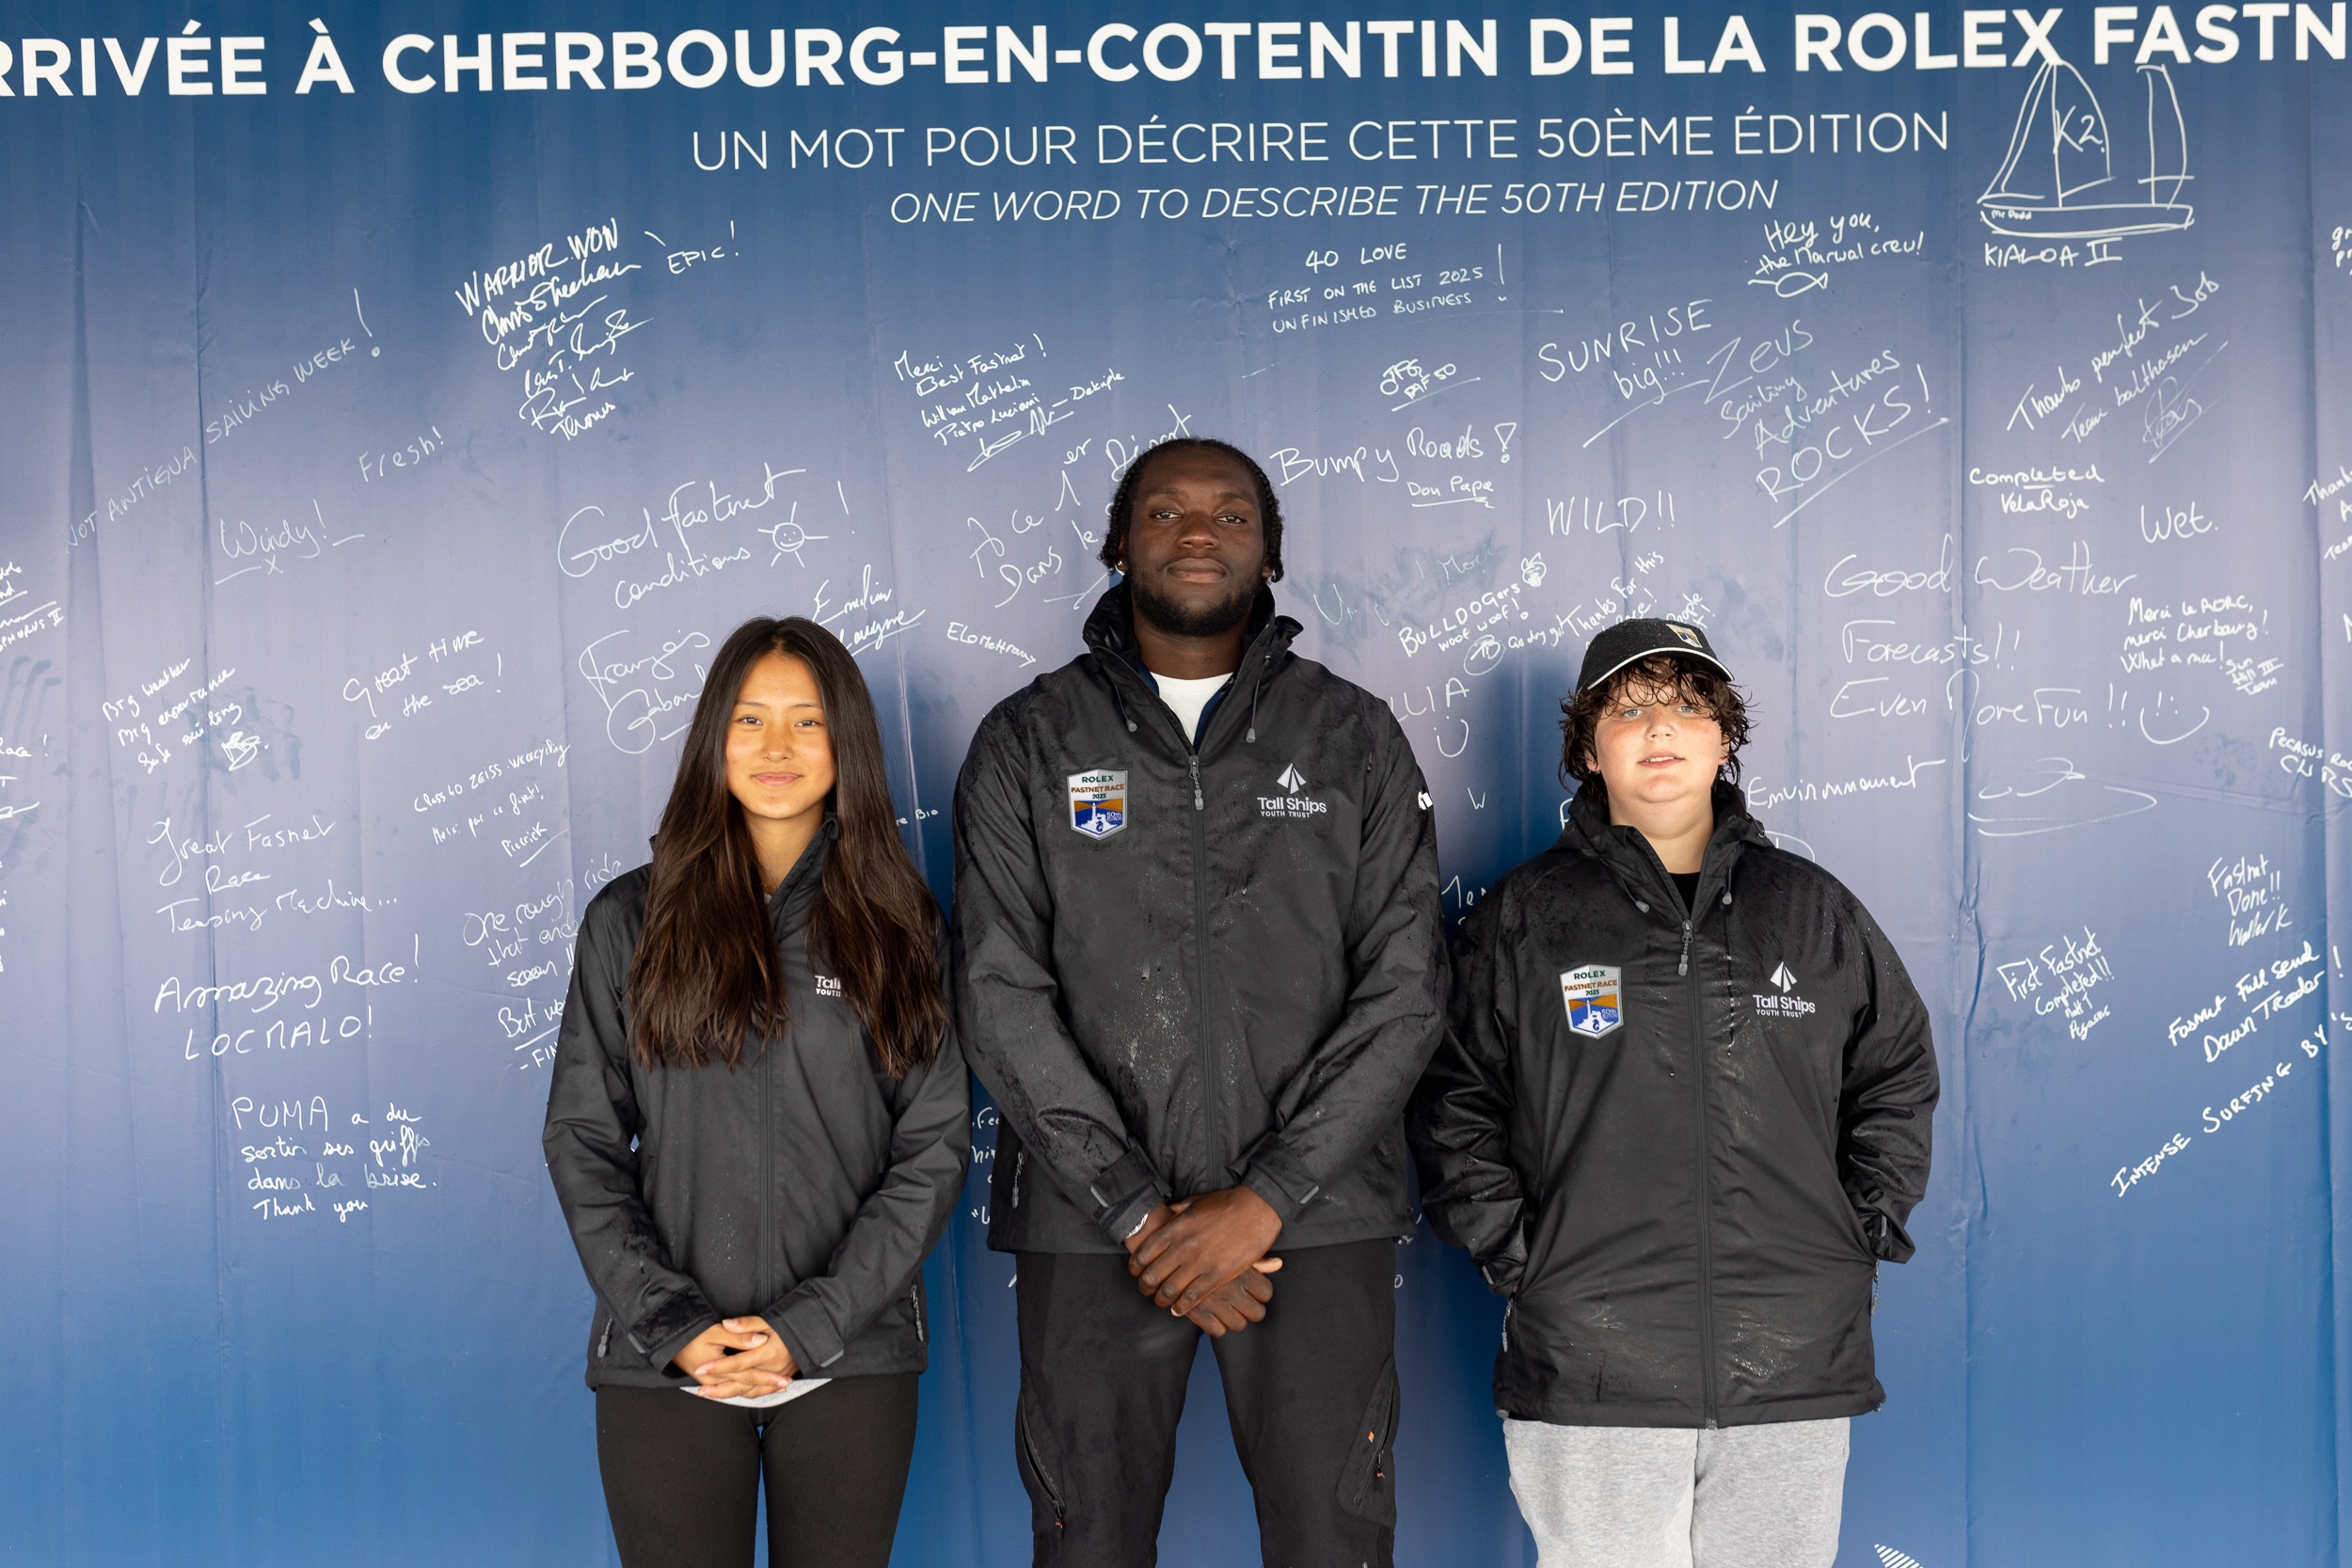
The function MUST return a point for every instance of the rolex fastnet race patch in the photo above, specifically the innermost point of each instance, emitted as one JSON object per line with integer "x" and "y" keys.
{"x": 1590, "y": 993}
{"x": 1098, "y": 802}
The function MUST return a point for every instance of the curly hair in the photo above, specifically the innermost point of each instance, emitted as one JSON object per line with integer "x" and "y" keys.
{"x": 1123, "y": 503}
{"x": 1701, "y": 685}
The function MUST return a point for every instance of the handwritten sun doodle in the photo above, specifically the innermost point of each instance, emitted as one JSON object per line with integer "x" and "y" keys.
{"x": 789, "y": 538}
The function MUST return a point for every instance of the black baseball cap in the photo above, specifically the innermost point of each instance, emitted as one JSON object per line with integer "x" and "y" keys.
{"x": 1631, "y": 641}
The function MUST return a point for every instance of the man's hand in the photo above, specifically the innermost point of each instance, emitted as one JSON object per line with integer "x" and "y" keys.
{"x": 737, "y": 1358}
{"x": 1203, "y": 1243}
{"x": 1238, "y": 1303}
{"x": 1160, "y": 1215}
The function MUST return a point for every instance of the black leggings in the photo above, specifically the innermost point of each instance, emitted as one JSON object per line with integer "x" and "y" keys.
{"x": 682, "y": 1474}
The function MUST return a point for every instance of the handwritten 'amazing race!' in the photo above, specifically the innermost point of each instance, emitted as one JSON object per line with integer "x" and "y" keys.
{"x": 194, "y": 63}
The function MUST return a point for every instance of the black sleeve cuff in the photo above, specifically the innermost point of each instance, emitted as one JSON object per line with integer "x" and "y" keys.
{"x": 1889, "y": 1241}
{"x": 1504, "y": 1268}
{"x": 1124, "y": 1193}
{"x": 1276, "y": 1176}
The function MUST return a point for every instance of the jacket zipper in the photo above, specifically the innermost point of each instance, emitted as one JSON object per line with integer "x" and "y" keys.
{"x": 1201, "y": 965}
{"x": 1201, "y": 913}
{"x": 1706, "y": 1199}
{"x": 767, "y": 1154}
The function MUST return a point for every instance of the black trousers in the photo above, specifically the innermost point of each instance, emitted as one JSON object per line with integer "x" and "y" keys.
{"x": 682, "y": 1475}
{"x": 1310, "y": 1391}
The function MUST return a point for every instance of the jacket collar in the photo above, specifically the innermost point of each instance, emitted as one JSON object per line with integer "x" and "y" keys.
{"x": 1110, "y": 636}
{"x": 1629, "y": 858}
{"x": 789, "y": 905}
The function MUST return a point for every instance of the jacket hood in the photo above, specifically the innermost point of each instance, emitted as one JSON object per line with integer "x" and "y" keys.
{"x": 1626, "y": 852}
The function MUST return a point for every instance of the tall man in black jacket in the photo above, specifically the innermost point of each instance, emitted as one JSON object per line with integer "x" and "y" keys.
{"x": 1680, "y": 1117}
{"x": 1199, "y": 967}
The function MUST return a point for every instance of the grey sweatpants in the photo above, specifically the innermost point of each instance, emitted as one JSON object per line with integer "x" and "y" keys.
{"x": 1747, "y": 1496}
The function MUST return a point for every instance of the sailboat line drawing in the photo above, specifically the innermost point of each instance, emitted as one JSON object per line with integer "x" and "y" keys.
{"x": 2061, "y": 163}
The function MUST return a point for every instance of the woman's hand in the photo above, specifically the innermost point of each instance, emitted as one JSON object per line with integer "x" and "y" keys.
{"x": 738, "y": 1358}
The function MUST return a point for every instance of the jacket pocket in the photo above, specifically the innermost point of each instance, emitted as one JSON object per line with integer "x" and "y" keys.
{"x": 1035, "y": 1452}
{"x": 1368, "y": 1481}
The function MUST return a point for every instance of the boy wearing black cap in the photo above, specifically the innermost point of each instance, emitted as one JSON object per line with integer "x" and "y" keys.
{"x": 1680, "y": 1119}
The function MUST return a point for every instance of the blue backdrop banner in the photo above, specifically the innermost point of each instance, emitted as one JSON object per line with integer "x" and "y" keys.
{"x": 398, "y": 405}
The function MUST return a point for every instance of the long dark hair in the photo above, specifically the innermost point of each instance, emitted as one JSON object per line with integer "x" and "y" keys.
{"x": 705, "y": 974}
{"x": 1114, "y": 550}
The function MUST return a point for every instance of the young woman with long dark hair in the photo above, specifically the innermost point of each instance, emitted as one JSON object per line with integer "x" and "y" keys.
{"x": 758, "y": 1127}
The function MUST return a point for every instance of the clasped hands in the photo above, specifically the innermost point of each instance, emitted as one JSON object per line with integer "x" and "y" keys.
{"x": 737, "y": 1358}
{"x": 1201, "y": 1258}
{"x": 1206, "y": 1258}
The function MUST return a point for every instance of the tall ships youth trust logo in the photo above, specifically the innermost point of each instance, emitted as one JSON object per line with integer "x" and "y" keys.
{"x": 1294, "y": 801}
{"x": 1782, "y": 1005}
{"x": 1098, "y": 802}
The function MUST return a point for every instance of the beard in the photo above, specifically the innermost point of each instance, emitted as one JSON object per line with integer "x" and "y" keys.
{"x": 1173, "y": 619}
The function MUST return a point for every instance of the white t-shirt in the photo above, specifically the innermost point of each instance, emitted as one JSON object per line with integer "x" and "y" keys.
{"x": 1189, "y": 698}
{"x": 791, "y": 1390}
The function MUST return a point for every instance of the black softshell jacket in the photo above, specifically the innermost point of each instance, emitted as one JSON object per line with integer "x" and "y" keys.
{"x": 804, "y": 1185}
{"x": 1238, "y": 983}
{"x": 1681, "y": 1144}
